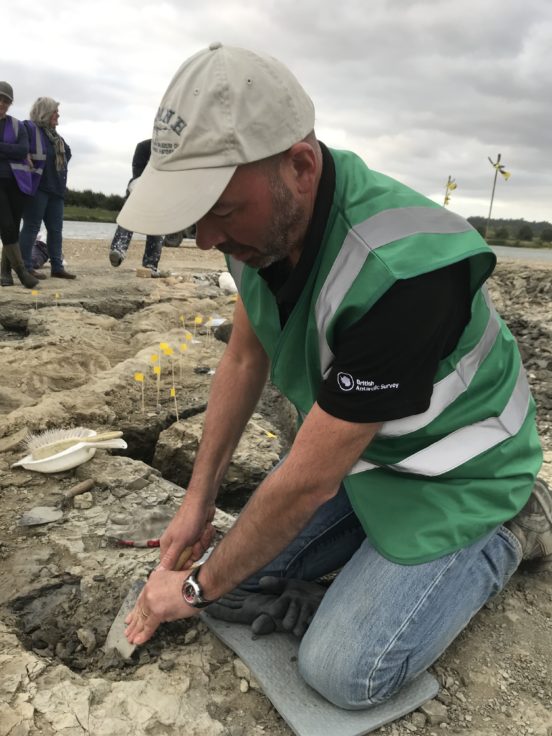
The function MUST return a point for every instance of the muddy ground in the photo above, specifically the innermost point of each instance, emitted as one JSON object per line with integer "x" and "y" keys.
{"x": 68, "y": 356}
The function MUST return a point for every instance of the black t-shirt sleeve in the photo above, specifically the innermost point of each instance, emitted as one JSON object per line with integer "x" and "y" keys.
{"x": 385, "y": 363}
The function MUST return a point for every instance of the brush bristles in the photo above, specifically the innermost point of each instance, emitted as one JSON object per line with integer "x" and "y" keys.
{"x": 34, "y": 441}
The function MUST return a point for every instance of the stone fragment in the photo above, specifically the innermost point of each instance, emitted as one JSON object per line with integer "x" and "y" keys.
{"x": 191, "y": 636}
{"x": 418, "y": 719}
{"x": 84, "y": 501}
{"x": 241, "y": 670}
{"x": 87, "y": 638}
{"x": 435, "y": 712}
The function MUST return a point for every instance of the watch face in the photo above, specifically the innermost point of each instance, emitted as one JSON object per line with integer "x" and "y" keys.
{"x": 189, "y": 593}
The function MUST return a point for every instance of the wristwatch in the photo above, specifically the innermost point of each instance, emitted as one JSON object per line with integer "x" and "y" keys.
{"x": 192, "y": 592}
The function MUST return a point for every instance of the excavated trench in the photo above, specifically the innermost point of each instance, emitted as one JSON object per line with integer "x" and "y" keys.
{"x": 67, "y": 619}
{"x": 63, "y": 622}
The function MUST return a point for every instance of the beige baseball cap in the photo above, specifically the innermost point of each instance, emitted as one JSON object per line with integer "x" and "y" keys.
{"x": 225, "y": 106}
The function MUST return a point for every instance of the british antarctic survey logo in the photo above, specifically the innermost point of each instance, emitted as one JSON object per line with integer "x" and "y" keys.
{"x": 345, "y": 381}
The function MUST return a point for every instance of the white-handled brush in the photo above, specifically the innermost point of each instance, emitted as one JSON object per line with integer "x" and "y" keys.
{"x": 54, "y": 441}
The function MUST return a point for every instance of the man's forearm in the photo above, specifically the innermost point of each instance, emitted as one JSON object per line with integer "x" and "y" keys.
{"x": 323, "y": 452}
{"x": 236, "y": 389}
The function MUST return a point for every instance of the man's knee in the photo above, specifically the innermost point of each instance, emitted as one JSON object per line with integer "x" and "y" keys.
{"x": 349, "y": 679}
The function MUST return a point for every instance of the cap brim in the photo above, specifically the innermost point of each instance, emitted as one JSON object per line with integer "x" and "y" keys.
{"x": 164, "y": 202}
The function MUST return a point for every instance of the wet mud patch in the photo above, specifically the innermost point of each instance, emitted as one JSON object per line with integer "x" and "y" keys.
{"x": 63, "y": 622}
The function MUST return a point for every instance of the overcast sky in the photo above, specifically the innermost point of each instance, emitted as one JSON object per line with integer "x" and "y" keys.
{"x": 421, "y": 90}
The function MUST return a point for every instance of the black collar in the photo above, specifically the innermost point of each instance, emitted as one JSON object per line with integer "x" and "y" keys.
{"x": 285, "y": 282}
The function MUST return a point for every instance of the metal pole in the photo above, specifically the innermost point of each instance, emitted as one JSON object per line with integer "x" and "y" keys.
{"x": 493, "y": 193}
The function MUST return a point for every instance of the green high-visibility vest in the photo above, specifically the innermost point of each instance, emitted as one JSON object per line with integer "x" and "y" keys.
{"x": 430, "y": 483}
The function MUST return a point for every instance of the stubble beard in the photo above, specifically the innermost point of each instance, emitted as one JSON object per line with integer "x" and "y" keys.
{"x": 286, "y": 227}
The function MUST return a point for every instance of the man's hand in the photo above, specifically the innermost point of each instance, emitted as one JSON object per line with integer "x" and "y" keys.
{"x": 160, "y": 600}
{"x": 284, "y": 605}
{"x": 191, "y": 526}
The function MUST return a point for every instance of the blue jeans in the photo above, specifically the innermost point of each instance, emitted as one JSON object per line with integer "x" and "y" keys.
{"x": 47, "y": 207}
{"x": 381, "y": 624}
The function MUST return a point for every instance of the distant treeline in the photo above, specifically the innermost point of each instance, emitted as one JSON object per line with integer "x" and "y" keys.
{"x": 498, "y": 231}
{"x": 94, "y": 200}
{"x": 501, "y": 230}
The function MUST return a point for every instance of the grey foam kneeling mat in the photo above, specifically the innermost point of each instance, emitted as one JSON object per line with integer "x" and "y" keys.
{"x": 273, "y": 662}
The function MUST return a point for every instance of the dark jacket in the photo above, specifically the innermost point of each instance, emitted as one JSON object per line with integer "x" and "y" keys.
{"x": 141, "y": 158}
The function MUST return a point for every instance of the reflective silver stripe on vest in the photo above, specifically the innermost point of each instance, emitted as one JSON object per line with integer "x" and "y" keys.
{"x": 449, "y": 388}
{"x": 466, "y": 443}
{"x": 236, "y": 270}
{"x": 19, "y": 167}
{"x": 39, "y": 154}
{"x": 381, "y": 229}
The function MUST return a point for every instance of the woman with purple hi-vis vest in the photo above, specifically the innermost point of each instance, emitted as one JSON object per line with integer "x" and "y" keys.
{"x": 50, "y": 156}
{"x": 15, "y": 184}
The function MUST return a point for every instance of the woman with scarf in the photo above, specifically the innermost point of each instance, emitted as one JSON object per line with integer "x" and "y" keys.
{"x": 50, "y": 155}
{"x": 15, "y": 183}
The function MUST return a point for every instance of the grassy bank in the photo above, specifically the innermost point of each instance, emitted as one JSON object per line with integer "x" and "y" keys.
{"x": 88, "y": 214}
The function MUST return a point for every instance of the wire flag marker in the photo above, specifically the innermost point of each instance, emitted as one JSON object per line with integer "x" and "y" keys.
{"x": 498, "y": 167}
{"x": 450, "y": 186}
{"x": 139, "y": 378}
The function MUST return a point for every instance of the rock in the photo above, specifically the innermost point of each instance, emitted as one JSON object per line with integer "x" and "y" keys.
{"x": 241, "y": 670}
{"x": 223, "y": 332}
{"x": 435, "y": 712}
{"x": 418, "y": 719}
{"x": 13, "y": 441}
{"x": 84, "y": 501}
{"x": 244, "y": 686}
{"x": 87, "y": 637}
{"x": 227, "y": 283}
{"x": 166, "y": 665}
{"x": 191, "y": 636}
{"x": 253, "y": 459}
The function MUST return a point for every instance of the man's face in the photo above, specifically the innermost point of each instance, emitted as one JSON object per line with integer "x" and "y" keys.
{"x": 257, "y": 219}
{"x": 5, "y": 103}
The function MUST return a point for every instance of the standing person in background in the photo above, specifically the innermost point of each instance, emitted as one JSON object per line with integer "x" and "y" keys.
{"x": 15, "y": 183}
{"x": 121, "y": 239}
{"x": 50, "y": 155}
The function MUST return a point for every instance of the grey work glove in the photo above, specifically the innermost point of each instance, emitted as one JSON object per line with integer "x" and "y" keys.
{"x": 284, "y": 605}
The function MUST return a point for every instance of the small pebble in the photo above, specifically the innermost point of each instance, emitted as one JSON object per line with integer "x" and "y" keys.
{"x": 191, "y": 636}
{"x": 84, "y": 501}
{"x": 166, "y": 665}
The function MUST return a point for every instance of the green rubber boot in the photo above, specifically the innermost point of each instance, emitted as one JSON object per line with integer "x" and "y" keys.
{"x": 6, "y": 278}
{"x": 13, "y": 254}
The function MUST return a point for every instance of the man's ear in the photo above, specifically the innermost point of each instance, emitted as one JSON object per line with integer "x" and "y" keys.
{"x": 302, "y": 166}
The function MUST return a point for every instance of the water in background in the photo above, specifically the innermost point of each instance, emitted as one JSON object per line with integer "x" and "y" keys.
{"x": 91, "y": 230}
{"x": 105, "y": 231}
{"x": 523, "y": 254}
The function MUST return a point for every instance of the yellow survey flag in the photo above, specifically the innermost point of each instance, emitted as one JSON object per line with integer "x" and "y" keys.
{"x": 173, "y": 392}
